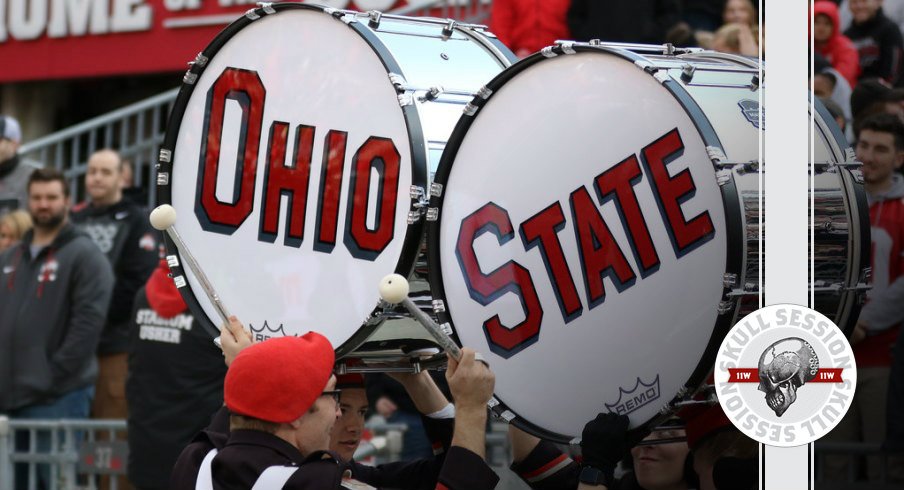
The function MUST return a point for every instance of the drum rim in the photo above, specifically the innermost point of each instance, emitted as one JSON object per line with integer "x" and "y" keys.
{"x": 855, "y": 196}
{"x": 414, "y": 129}
{"x": 734, "y": 226}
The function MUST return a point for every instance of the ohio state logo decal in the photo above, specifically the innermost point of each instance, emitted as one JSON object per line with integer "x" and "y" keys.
{"x": 785, "y": 375}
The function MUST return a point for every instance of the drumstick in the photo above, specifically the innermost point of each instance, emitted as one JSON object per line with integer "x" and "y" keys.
{"x": 394, "y": 290}
{"x": 163, "y": 218}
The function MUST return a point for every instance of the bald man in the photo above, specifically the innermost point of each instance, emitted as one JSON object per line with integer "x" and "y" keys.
{"x": 121, "y": 230}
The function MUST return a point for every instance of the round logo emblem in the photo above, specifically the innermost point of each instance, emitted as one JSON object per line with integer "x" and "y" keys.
{"x": 785, "y": 375}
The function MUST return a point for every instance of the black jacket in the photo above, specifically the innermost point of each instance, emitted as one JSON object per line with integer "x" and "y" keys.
{"x": 457, "y": 469}
{"x": 632, "y": 21}
{"x": 175, "y": 380}
{"x": 879, "y": 45}
{"x": 122, "y": 232}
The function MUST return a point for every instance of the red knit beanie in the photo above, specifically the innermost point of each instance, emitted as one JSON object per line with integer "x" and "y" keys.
{"x": 279, "y": 379}
{"x": 349, "y": 381}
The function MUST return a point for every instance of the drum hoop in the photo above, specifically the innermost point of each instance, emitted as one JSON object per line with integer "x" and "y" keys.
{"x": 415, "y": 232}
{"x": 734, "y": 217}
{"x": 857, "y": 206}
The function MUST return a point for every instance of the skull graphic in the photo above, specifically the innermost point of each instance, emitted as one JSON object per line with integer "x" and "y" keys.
{"x": 784, "y": 367}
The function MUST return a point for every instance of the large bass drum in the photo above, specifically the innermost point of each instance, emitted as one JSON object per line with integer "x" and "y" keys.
{"x": 598, "y": 228}
{"x": 298, "y": 158}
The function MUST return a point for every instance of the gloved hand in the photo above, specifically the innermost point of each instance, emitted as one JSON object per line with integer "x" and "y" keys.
{"x": 603, "y": 442}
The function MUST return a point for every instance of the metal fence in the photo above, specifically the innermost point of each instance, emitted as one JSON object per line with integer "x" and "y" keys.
{"x": 136, "y": 131}
{"x": 65, "y": 454}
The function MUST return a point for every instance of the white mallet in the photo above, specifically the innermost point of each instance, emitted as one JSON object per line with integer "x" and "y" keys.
{"x": 394, "y": 289}
{"x": 163, "y": 218}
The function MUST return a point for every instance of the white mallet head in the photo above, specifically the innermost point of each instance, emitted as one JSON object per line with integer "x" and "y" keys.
{"x": 163, "y": 216}
{"x": 394, "y": 288}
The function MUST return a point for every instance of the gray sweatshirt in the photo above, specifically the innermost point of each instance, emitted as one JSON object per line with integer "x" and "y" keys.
{"x": 885, "y": 308}
{"x": 52, "y": 310}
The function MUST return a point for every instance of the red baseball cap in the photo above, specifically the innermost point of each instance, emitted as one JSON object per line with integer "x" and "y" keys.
{"x": 279, "y": 379}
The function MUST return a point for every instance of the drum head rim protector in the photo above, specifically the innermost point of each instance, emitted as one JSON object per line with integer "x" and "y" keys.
{"x": 414, "y": 234}
{"x": 735, "y": 254}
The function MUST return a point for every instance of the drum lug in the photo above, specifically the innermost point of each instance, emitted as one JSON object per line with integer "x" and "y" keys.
{"x": 374, "y": 17}
{"x": 507, "y": 416}
{"x": 413, "y": 217}
{"x": 729, "y": 280}
{"x": 723, "y": 177}
{"x": 432, "y": 214}
{"x": 850, "y": 156}
{"x": 267, "y": 7}
{"x": 180, "y": 281}
{"x": 754, "y": 83}
{"x": 172, "y": 261}
{"x": 716, "y": 154}
{"x": 162, "y": 178}
{"x": 567, "y": 46}
{"x": 436, "y": 190}
{"x": 190, "y": 78}
{"x": 439, "y": 306}
{"x": 493, "y": 403}
{"x": 447, "y": 329}
{"x": 471, "y": 109}
{"x": 405, "y": 100}
{"x": 199, "y": 60}
{"x": 449, "y": 29}
{"x": 166, "y": 156}
{"x": 548, "y": 52}
{"x": 484, "y": 93}
{"x": 860, "y": 286}
{"x": 687, "y": 72}
{"x": 857, "y": 176}
{"x": 398, "y": 81}
{"x": 431, "y": 94}
{"x": 725, "y": 307}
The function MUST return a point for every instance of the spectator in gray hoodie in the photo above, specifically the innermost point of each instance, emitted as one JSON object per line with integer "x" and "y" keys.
{"x": 56, "y": 290}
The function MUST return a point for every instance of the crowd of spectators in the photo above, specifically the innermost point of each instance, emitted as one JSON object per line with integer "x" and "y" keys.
{"x": 730, "y": 26}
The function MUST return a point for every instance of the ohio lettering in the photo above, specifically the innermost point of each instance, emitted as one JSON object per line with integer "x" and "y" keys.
{"x": 599, "y": 254}
{"x": 377, "y": 154}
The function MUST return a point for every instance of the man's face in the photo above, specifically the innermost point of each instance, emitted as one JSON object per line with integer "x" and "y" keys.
{"x": 8, "y": 149}
{"x": 104, "y": 179}
{"x": 864, "y": 10}
{"x": 47, "y": 204}
{"x": 822, "y": 28}
{"x": 346, "y": 435}
{"x": 312, "y": 432}
{"x": 876, "y": 149}
{"x": 660, "y": 465}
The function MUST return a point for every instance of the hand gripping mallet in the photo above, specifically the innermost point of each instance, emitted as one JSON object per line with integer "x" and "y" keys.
{"x": 163, "y": 218}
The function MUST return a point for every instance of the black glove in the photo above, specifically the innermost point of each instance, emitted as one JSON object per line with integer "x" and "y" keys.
{"x": 603, "y": 442}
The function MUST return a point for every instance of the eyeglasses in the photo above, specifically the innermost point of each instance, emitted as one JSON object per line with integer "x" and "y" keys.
{"x": 333, "y": 393}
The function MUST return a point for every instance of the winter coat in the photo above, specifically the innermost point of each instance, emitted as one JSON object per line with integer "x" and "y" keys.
{"x": 526, "y": 26}
{"x": 52, "y": 311}
{"x": 839, "y": 50}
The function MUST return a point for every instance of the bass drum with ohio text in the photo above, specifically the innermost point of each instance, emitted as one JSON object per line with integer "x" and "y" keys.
{"x": 298, "y": 158}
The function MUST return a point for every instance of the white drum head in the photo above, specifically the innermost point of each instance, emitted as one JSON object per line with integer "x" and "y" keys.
{"x": 303, "y": 89}
{"x": 530, "y": 162}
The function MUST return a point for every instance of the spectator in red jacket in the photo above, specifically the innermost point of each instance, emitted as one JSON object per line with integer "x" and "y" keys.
{"x": 526, "y": 26}
{"x": 832, "y": 44}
